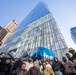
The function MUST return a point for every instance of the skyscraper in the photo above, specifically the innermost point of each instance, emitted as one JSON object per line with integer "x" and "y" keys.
{"x": 7, "y": 30}
{"x": 3, "y": 33}
{"x": 38, "y": 29}
{"x": 73, "y": 34}
{"x": 0, "y": 28}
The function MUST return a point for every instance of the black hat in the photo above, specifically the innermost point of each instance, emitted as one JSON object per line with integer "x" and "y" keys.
{"x": 72, "y": 51}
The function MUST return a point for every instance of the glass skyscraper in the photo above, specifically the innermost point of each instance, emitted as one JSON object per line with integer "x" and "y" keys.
{"x": 38, "y": 29}
{"x": 73, "y": 34}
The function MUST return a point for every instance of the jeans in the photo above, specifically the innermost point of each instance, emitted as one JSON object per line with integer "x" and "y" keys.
{"x": 58, "y": 73}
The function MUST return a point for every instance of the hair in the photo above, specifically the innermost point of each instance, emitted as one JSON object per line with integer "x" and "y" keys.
{"x": 47, "y": 60}
{"x": 64, "y": 59}
{"x": 55, "y": 58}
{"x": 8, "y": 59}
{"x": 67, "y": 54}
{"x": 43, "y": 62}
{"x": 23, "y": 63}
{"x": 3, "y": 53}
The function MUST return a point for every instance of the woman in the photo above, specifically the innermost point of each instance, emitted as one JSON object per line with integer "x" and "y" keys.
{"x": 58, "y": 67}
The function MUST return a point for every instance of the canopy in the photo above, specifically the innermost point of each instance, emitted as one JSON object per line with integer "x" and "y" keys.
{"x": 41, "y": 52}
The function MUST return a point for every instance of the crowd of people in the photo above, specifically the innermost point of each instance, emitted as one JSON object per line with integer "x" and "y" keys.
{"x": 19, "y": 66}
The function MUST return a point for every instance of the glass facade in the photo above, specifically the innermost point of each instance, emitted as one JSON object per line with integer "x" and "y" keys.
{"x": 73, "y": 34}
{"x": 43, "y": 32}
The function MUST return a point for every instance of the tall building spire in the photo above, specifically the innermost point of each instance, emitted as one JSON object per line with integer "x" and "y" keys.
{"x": 39, "y": 11}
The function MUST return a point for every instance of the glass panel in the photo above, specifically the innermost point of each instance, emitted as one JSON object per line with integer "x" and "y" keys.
{"x": 55, "y": 53}
{"x": 59, "y": 54}
{"x": 57, "y": 45}
{"x": 53, "y": 46}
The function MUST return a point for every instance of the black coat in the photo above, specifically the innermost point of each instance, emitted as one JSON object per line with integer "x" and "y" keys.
{"x": 4, "y": 68}
{"x": 59, "y": 66}
{"x": 74, "y": 56}
{"x": 34, "y": 71}
{"x": 17, "y": 64}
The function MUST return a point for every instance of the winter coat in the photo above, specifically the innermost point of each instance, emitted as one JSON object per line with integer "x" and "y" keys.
{"x": 58, "y": 66}
{"x": 19, "y": 71}
{"x": 4, "y": 69}
{"x": 17, "y": 64}
{"x": 47, "y": 71}
{"x": 69, "y": 67}
{"x": 34, "y": 71}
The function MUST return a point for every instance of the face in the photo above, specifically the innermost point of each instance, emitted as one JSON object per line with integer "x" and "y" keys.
{"x": 30, "y": 59}
{"x": 21, "y": 59}
{"x": 37, "y": 61}
{"x": 47, "y": 62}
{"x": 68, "y": 55}
{"x": 50, "y": 62}
{"x": 56, "y": 59}
{"x": 64, "y": 59}
{"x": 8, "y": 61}
{"x": 35, "y": 64}
{"x": 16, "y": 59}
{"x": 23, "y": 66}
{"x": 3, "y": 54}
{"x": 44, "y": 65}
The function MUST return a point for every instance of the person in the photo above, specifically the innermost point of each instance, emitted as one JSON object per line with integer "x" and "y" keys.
{"x": 3, "y": 57}
{"x": 46, "y": 70}
{"x": 18, "y": 63}
{"x": 20, "y": 71}
{"x": 58, "y": 67}
{"x": 5, "y": 68}
{"x": 10, "y": 66}
{"x": 3, "y": 54}
{"x": 69, "y": 66}
{"x": 72, "y": 51}
{"x": 29, "y": 64}
{"x": 38, "y": 64}
{"x": 51, "y": 63}
{"x": 47, "y": 64}
{"x": 34, "y": 70}
{"x": 69, "y": 57}
{"x": 74, "y": 57}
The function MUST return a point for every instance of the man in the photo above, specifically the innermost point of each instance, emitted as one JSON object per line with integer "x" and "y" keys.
{"x": 29, "y": 64}
{"x": 18, "y": 63}
{"x": 3, "y": 57}
{"x": 51, "y": 63}
{"x": 72, "y": 51}
{"x": 5, "y": 68}
{"x": 47, "y": 64}
{"x": 20, "y": 71}
{"x": 46, "y": 70}
{"x": 38, "y": 63}
{"x": 34, "y": 70}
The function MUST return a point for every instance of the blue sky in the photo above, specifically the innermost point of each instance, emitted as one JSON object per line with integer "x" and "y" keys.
{"x": 64, "y": 12}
